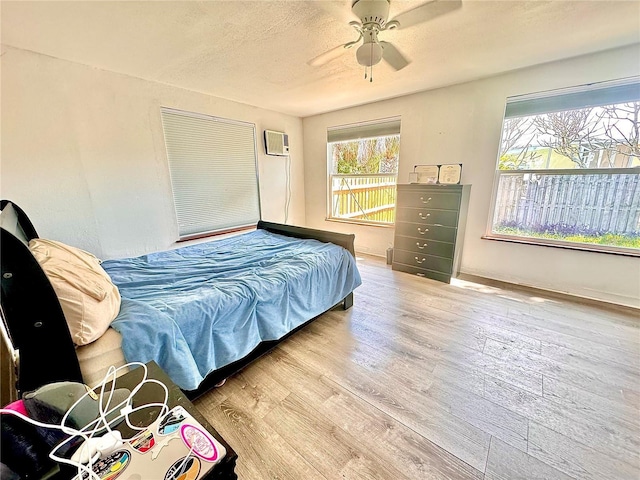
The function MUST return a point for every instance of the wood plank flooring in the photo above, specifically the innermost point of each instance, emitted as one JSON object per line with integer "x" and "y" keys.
{"x": 424, "y": 380}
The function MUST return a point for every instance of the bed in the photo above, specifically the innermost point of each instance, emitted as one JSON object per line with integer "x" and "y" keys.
{"x": 202, "y": 312}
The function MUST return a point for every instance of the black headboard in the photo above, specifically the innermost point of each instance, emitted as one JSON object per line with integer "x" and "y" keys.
{"x": 32, "y": 313}
{"x": 345, "y": 240}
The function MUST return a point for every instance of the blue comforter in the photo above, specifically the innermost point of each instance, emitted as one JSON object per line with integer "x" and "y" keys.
{"x": 201, "y": 307}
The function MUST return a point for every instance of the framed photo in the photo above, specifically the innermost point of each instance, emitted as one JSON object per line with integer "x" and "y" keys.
{"x": 450, "y": 174}
{"x": 426, "y": 173}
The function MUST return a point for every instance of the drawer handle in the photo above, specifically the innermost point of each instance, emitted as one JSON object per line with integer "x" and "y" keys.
{"x": 421, "y": 232}
{"x": 422, "y": 216}
{"x": 420, "y": 261}
{"x": 421, "y": 247}
{"x": 425, "y": 201}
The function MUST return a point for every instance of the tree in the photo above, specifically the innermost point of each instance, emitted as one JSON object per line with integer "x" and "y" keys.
{"x": 579, "y": 135}
{"x": 345, "y": 157}
{"x": 366, "y": 156}
{"x": 391, "y": 152}
{"x": 576, "y": 134}
{"x": 518, "y": 134}
{"x": 622, "y": 125}
{"x": 369, "y": 156}
{"x": 582, "y": 134}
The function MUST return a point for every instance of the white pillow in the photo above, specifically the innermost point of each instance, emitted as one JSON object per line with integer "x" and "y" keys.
{"x": 89, "y": 300}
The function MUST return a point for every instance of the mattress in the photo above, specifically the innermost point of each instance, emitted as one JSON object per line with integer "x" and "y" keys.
{"x": 196, "y": 309}
{"x": 96, "y": 357}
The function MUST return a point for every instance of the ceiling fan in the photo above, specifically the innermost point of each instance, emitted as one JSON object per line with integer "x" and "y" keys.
{"x": 373, "y": 15}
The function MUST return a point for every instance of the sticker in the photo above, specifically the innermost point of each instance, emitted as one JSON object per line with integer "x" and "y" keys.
{"x": 171, "y": 421}
{"x": 110, "y": 467}
{"x": 143, "y": 442}
{"x": 161, "y": 445}
{"x": 188, "y": 471}
{"x": 201, "y": 443}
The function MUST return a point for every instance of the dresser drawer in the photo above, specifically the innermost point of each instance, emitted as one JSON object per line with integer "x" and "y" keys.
{"x": 423, "y": 245}
{"x": 429, "y": 199}
{"x": 421, "y": 260}
{"x": 422, "y": 231}
{"x": 421, "y": 272}
{"x": 448, "y": 218}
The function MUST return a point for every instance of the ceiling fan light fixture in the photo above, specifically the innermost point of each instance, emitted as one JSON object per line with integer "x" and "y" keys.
{"x": 369, "y": 54}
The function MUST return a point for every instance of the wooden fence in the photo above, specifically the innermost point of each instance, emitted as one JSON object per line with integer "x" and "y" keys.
{"x": 369, "y": 198}
{"x": 570, "y": 200}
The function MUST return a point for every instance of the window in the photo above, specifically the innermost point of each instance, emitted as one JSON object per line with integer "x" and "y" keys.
{"x": 213, "y": 172}
{"x": 568, "y": 169}
{"x": 363, "y": 166}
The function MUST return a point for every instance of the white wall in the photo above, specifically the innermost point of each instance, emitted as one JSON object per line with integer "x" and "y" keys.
{"x": 462, "y": 124}
{"x": 83, "y": 154}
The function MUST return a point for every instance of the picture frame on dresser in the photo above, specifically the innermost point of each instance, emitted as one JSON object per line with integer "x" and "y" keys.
{"x": 450, "y": 174}
{"x": 426, "y": 173}
{"x": 429, "y": 229}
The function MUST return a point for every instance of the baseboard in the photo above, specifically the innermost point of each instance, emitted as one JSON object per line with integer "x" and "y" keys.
{"x": 549, "y": 293}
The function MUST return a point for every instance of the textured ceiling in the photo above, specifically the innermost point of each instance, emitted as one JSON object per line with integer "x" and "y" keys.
{"x": 257, "y": 52}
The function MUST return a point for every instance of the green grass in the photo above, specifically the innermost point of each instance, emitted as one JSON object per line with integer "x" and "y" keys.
{"x": 609, "y": 239}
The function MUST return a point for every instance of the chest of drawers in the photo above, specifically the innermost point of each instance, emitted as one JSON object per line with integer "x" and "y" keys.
{"x": 430, "y": 222}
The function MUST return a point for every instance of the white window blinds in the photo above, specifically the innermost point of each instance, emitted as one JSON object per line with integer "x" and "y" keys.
{"x": 213, "y": 172}
{"x": 356, "y": 131}
{"x": 595, "y": 95}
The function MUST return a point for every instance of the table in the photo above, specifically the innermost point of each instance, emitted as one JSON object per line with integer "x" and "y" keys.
{"x": 225, "y": 470}
{"x": 150, "y": 393}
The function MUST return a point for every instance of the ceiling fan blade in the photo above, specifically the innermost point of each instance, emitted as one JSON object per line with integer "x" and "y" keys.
{"x": 393, "y": 56}
{"x": 327, "y": 56}
{"x": 427, "y": 11}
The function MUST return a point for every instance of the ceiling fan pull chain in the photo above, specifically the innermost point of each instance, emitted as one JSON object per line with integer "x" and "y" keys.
{"x": 371, "y": 65}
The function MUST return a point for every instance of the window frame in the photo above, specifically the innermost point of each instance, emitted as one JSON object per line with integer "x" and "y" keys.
{"x": 573, "y": 92}
{"x": 374, "y": 129}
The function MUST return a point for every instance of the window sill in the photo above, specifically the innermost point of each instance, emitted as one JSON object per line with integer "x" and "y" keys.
{"x": 217, "y": 234}
{"x": 364, "y": 224}
{"x": 627, "y": 252}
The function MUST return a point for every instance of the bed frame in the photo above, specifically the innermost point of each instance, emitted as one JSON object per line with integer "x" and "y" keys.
{"x": 37, "y": 327}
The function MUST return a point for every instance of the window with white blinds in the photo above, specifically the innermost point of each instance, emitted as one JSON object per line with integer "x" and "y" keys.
{"x": 213, "y": 172}
{"x": 568, "y": 169}
{"x": 363, "y": 171}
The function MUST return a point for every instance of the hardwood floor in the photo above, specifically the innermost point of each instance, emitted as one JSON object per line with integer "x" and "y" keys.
{"x": 424, "y": 380}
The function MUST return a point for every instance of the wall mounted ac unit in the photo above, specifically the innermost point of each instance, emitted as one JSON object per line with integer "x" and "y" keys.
{"x": 276, "y": 143}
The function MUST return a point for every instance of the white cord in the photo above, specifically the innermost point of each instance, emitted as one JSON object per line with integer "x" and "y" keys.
{"x": 184, "y": 461}
{"x": 101, "y": 423}
{"x": 288, "y": 188}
